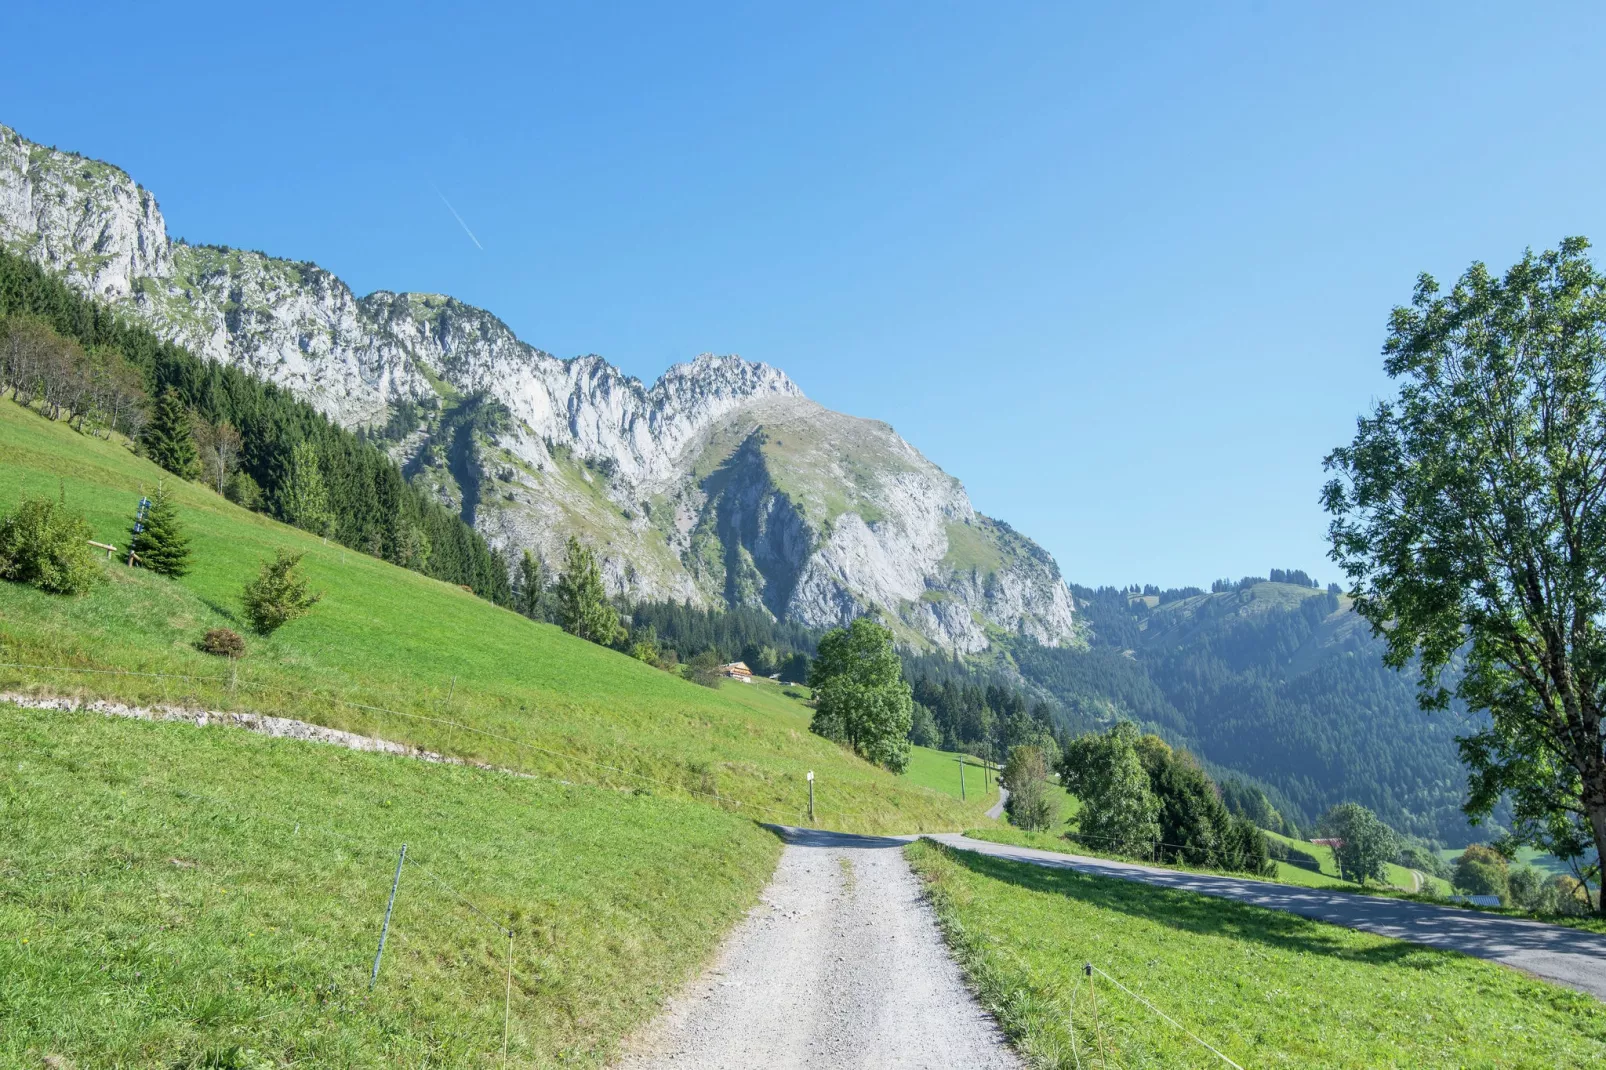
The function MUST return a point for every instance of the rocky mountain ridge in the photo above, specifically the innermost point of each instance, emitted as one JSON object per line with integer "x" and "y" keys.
{"x": 719, "y": 483}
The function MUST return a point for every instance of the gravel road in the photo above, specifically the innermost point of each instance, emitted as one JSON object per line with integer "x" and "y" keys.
{"x": 1571, "y": 957}
{"x": 840, "y": 965}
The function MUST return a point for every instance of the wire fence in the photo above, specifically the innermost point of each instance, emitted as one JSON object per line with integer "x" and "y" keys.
{"x": 1103, "y": 1045}
{"x": 375, "y": 853}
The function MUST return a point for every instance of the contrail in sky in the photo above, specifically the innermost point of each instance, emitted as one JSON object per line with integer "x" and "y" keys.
{"x": 457, "y": 217}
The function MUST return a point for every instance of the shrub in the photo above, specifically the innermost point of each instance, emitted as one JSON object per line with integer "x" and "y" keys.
{"x": 278, "y": 595}
{"x": 1481, "y": 870}
{"x": 1572, "y": 896}
{"x": 224, "y": 642}
{"x": 242, "y": 490}
{"x": 704, "y": 669}
{"x": 45, "y": 544}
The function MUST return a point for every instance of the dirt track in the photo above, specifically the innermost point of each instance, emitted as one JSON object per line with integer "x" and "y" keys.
{"x": 841, "y": 965}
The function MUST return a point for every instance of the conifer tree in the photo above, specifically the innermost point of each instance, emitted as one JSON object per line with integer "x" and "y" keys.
{"x": 583, "y": 605}
{"x": 304, "y": 498}
{"x": 279, "y": 594}
{"x": 159, "y": 541}
{"x": 168, "y": 439}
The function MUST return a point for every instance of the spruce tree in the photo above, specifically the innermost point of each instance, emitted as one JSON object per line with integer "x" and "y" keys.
{"x": 168, "y": 439}
{"x": 583, "y": 605}
{"x": 159, "y": 541}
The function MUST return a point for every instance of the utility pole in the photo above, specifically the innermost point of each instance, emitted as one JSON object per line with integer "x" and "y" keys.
{"x": 811, "y": 796}
{"x": 961, "y": 778}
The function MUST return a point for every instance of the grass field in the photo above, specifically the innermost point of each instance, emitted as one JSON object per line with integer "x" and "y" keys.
{"x": 460, "y": 676}
{"x": 939, "y": 771}
{"x": 1268, "y": 989}
{"x": 1398, "y": 876}
{"x": 1526, "y": 856}
{"x": 173, "y": 896}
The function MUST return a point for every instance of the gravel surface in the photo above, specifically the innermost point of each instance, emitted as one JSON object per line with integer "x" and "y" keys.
{"x": 840, "y": 965}
{"x": 1572, "y": 957}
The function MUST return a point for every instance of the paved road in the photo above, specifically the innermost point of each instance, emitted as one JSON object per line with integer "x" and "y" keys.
{"x": 998, "y": 807}
{"x": 840, "y": 965}
{"x": 1566, "y": 956}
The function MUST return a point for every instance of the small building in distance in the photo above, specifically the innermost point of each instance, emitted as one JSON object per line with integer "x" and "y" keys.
{"x": 738, "y": 670}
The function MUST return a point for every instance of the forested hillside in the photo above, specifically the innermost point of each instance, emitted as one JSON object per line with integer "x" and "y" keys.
{"x": 89, "y": 362}
{"x": 1280, "y": 682}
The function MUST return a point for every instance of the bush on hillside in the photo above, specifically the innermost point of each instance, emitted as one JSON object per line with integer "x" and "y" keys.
{"x": 1572, "y": 896}
{"x": 704, "y": 669}
{"x": 1482, "y": 870}
{"x": 46, "y": 545}
{"x": 1293, "y": 856}
{"x": 1427, "y": 861}
{"x": 278, "y": 595}
{"x": 242, "y": 490}
{"x": 223, "y": 642}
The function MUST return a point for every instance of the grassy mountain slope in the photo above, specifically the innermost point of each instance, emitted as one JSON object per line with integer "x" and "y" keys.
{"x": 182, "y": 896}
{"x": 529, "y": 696}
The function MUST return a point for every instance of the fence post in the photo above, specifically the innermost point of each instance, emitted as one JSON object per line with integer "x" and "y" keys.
{"x": 384, "y": 930}
{"x": 507, "y": 998}
{"x": 811, "y": 796}
{"x": 1098, "y": 1030}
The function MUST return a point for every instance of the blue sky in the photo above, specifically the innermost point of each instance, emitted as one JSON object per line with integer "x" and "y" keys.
{"x": 1124, "y": 272}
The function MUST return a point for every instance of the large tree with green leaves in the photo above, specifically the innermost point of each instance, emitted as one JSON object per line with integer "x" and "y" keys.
{"x": 1470, "y": 516}
{"x": 1119, "y": 811}
{"x": 861, "y": 697}
{"x": 583, "y": 606}
{"x": 1365, "y": 845}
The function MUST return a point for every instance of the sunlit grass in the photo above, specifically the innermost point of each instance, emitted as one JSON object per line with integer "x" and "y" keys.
{"x": 526, "y": 695}
{"x": 171, "y": 895}
{"x": 1266, "y": 988}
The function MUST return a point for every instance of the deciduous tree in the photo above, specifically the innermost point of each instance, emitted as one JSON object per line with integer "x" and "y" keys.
{"x": 1366, "y": 846}
{"x": 861, "y": 697}
{"x": 1119, "y": 813}
{"x": 1470, "y": 516}
{"x": 1032, "y": 804}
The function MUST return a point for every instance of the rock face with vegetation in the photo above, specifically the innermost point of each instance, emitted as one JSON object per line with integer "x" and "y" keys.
{"x": 720, "y": 483}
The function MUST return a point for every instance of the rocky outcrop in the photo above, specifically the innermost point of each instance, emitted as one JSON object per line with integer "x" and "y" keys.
{"x": 719, "y": 483}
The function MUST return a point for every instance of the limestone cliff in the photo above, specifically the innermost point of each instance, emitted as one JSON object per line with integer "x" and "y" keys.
{"x": 719, "y": 483}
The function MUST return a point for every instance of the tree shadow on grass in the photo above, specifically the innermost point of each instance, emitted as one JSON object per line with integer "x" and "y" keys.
{"x": 1204, "y": 915}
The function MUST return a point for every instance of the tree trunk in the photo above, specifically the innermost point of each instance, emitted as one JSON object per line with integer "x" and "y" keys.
{"x": 1596, "y": 807}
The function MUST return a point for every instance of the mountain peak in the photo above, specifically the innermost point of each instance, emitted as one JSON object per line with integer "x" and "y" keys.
{"x": 721, "y": 483}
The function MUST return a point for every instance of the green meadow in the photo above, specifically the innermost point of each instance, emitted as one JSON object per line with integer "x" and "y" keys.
{"x": 182, "y": 896}
{"x": 391, "y": 653}
{"x": 1267, "y": 989}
